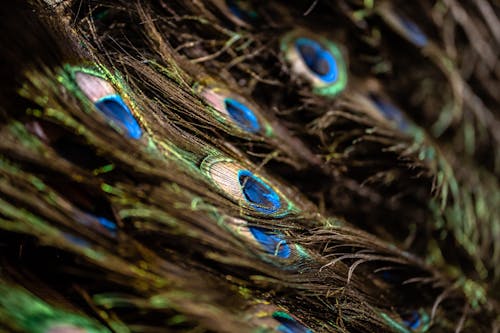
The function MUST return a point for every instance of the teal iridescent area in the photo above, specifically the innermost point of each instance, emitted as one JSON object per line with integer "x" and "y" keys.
{"x": 317, "y": 60}
{"x": 288, "y": 324}
{"x": 412, "y": 321}
{"x": 115, "y": 109}
{"x": 258, "y": 194}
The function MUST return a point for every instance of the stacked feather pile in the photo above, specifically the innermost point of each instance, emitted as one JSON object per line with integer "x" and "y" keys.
{"x": 246, "y": 166}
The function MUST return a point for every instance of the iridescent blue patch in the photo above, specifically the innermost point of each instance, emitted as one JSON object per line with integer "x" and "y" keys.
{"x": 272, "y": 243}
{"x": 260, "y": 195}
{"x": 242, "y": 115}
{"x": 319, "y": 60}
{"x": 390, "y": 112}
{"x": 239, "y": 12}
{"x": 288, "y": 324}
{"x": 111, "y": 226}
{"x": 414, "y": 33}
{"x": 115, "y": 109}
{"x": 412, "y": 320}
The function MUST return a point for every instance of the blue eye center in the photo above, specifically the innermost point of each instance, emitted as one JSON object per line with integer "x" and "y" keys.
{"x": 242, "y": 115}
{"x": 412, "y": 320}
{"x": 115, "y": 109}
{"x": 288, "y": 324}
{"x": 414, "y": 32}
{"x": 273, "y": 244}
{"x": 318, "y": 59}
{"x": 260, "y": 195}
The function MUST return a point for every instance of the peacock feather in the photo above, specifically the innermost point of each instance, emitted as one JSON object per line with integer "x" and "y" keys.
{"x": 246, "y": 166}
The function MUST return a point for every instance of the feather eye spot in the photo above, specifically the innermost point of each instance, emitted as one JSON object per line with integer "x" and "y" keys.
{"x": 242, "y": 115}
{"x": 115, "y": 109}
{"x": 318, "y": 60}
{"x": 234, "y": 110}
{"x": 104, "y": 97}
{"x": 250, "y": 191}
{"x": 288, "y": 324}
{"x": 273, "y": 244}
{"x": 260, "y": 195}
